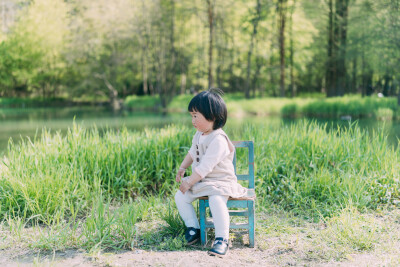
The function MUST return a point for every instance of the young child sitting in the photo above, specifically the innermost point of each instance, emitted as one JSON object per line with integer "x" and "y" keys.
{"x": 213, "y": 174}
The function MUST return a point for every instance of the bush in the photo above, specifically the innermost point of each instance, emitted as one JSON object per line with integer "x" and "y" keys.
{"x": 384, "y": 114}
{"x": 290, "y": 110}
{"x": 142, "y": 102}
{"x": 354, "y": 106}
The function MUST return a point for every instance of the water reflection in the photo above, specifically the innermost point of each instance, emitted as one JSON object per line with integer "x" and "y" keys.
{"x": 17, "y": 123}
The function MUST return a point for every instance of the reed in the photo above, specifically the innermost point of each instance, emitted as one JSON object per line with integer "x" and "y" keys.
{"x": 56, "y": 174}
{"x": 354, "y": 106}
{"x": 142, "y": 102}
{"x": 302, "y": 167}
{"x": 312, "y": 106}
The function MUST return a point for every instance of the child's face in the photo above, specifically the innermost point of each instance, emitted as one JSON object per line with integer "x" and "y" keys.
{"x": 200, "y": 123}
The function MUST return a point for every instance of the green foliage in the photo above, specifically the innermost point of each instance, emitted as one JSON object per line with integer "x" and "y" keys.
{"x": 142, "y": 102}
{"x": 348, "y": 228}
{"x": 289, "y": 110}
{"x": 397, "y": 114}
{"x": 180, "y": 103}
{"x": 109, "y": 226}
{"x": 384, "y": 114}
{"x": 32, "y": 52}
{"x": 113, "y": 49}
{"x": 302, "y": 167}
{"x": 99, "y": 229}
{"x": 57, "y": 175}
{"x": 354, "y": 106}
{"x": 175, "y": 226}
{"x": 31, "y": 102}
{"x": 58, "y": 236}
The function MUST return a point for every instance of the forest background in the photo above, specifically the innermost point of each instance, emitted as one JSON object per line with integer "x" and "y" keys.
{"x": 326, "y": 192}
{"x": 107, "y": 50}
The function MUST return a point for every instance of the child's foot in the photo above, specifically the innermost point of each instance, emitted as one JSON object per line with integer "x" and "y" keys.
{"x": 192, "y": 235}
{"x": 220, "y": 247}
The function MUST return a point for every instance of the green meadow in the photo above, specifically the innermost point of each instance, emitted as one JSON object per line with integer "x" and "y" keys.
{"x": 114, "y": 189}
{"x": 316, "y": 106}
{"x": 353, "y": 106}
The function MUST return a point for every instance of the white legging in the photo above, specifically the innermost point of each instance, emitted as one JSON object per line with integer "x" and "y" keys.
{"x": 218, "y": 208}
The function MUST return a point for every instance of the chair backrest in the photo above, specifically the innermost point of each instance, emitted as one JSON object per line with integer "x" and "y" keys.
{"x": 250, "y": 175}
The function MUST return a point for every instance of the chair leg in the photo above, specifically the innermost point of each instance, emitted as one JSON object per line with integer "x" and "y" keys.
{"x": 202, "y": 215}
{"x": 250, "y": 205}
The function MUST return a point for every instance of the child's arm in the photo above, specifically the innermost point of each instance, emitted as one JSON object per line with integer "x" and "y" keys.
{"x": 194, "y": 178}
{"x": 184, "y": 165}
{"x": 188, "y": 183}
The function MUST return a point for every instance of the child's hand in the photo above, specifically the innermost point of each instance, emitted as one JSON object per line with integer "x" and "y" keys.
{"x": 180, "y": 174}
{"x": 185, "y": 186}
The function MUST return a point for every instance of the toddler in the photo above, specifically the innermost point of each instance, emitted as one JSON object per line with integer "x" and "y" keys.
{"x": 213, "y": 174}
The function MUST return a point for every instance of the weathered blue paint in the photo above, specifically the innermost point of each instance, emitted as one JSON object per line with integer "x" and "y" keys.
{"x": 246, "y": 203}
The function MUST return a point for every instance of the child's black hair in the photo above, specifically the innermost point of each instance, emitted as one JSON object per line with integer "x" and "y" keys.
{"x": 211, "y": 105}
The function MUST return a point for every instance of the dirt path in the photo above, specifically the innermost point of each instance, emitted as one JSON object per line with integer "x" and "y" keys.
{"x": 279, "y": 242}
{"x": 237, "y": 257}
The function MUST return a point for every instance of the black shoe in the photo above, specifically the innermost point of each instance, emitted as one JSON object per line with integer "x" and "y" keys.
{"x": 192, "y": 235}
{"x": 220, "y": 247}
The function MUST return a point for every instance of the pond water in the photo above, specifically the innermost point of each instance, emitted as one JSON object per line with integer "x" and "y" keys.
{"x": 21, "y": 123}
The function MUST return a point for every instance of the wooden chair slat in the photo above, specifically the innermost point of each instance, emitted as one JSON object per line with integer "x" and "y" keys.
{"x": 246, "y": 202}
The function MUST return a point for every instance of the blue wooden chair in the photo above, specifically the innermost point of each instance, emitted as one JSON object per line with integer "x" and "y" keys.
{"x": 247, "y": 203}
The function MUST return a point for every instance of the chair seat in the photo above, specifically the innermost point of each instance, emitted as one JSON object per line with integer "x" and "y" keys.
{"x": 251, "y": 195}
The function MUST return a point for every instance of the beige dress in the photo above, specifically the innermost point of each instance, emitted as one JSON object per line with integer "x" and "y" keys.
{"x": 217, "y": 171}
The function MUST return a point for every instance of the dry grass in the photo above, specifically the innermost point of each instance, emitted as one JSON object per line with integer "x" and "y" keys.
{"x": 349, "y": 238}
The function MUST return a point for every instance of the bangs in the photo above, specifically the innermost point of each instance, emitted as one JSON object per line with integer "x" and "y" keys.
{"x": 211, "y": 105}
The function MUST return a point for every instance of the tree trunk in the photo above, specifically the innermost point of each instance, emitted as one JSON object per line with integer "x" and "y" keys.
{"x": 231, "y": 58}
{"x": 144, "y": 59}
{"x": 256, "y": 76}
{"x": 220, "y": 55}
{"x": 369, "y": 89}
{"x": 144, "y": 71}
{"x": 272, "y": 75}
{"x": 385, "y": 89}
{"x": 354, "y": 75}
{"x": 282, "y": 8}
{"x": 210, "y": 9}
{"x": 363, "y": 83}
{"x": 398, "y": 98}
{"x": 342, "y": 14}
{"x": 166, "y": 53}
{"x": 112, "y": 92}
{"x": 183, "y": 83}
{"x": 250, "y": 52}
{"x": 330, "y": 80}
{"x": 172, "y": 69}
{"x": 292, "y": 89}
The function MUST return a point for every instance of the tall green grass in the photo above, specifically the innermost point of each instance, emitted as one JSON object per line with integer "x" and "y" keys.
{"x": 354, "y": 106}
{"x": 302, "y": 167}
{"x": 305, "y": 168}
{"x": 308, "y": 105}
{"x": 56, "y": 176}
{"x": 142, "y": 102}
{"x": 14, "y": 102}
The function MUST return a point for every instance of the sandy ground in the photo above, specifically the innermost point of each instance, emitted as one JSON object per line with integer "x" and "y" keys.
{"x": 236, "y": 257}
{"x": 296, "y": 246}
